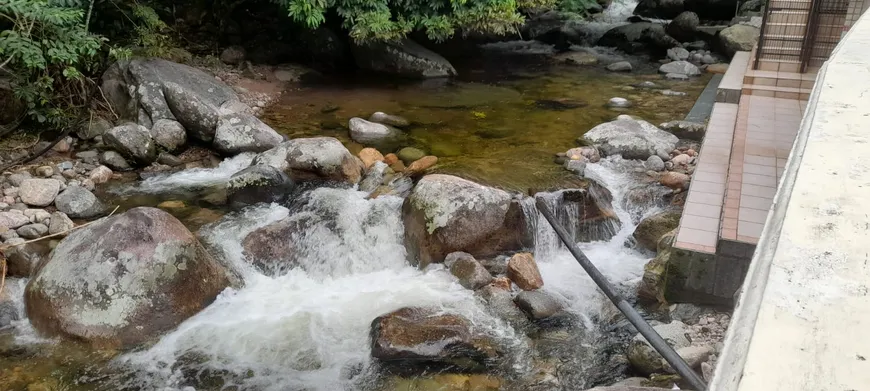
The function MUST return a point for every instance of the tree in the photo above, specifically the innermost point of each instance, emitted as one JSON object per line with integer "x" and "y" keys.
{"x": 368, "y": 20}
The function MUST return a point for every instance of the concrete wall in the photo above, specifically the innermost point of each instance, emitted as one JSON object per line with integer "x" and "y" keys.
{"x": 803, "y": 317}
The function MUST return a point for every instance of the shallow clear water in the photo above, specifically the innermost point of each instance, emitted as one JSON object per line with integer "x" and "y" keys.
{"x": 495, "y": 126}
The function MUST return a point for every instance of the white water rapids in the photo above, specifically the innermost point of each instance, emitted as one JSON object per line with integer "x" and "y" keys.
{"x": 309, "y": 328}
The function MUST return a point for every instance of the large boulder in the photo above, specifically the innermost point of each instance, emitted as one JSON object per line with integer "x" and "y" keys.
{"x": 631, "y": 138}
{"x": 79, "y": 203}
{"x": 684, "y": 27}
{"x": 371, "y": 133}
{"x": 402, "y": 58}
{"x": 146, "y": 90}
{"x": 738, "y": 38}
{"x": 430, "y": 338}
{"x": 638, "y": 38}
{"x": 38, "y": 192}
{"x": 316, "y": 158}
{"x": 133, "y": 141}
{"x": 242, "y": 132}
{"x": 258, "y": 183}
{"x": 651, "y": 229}
{"x": 444, "y": 214}
{"x": 124, "y": 280}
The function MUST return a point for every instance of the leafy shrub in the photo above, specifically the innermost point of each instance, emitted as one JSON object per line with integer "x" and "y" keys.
{"x": 46, "y": 50}
{"x": 392, "y": 19}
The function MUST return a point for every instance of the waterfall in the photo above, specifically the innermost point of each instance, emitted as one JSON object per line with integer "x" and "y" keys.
{"x": 616, "y": 14}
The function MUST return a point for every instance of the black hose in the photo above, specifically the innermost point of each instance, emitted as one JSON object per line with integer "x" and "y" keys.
{"x": 656, "y": 340}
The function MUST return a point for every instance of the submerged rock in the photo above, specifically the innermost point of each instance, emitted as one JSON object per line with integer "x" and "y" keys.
{"x": 402, "y": 58}
{"x": 500, "y": 303}
{"x": 388, "y": 119}
{"x": 316, "y": 158}
{"x": 258, "y": 183}
{"x": 619, "y": 103}
{"x": 366, "y": 132}
{"x": 633, "y": 139}
{"x": 123, "y": 280}
{"x": 409, "y": 155}
{"x": 445, "y": 213}
{"x": 421, "y": 337}
{"x": 621, "y": 66}
{"x": 538, "y": 305}
{"x": 272, "y": 248}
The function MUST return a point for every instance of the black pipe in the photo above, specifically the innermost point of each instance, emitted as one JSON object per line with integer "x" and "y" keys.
{"x": 656, "y": 340}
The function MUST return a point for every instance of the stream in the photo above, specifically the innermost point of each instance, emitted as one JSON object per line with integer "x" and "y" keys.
{"x": 307, "y": 328}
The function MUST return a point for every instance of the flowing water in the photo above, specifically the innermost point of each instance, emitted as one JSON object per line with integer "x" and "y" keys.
{"x": 307, "y": 328}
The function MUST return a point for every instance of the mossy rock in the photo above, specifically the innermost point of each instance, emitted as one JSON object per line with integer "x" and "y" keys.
{"x": 409, "y": 155}
{"x": 653, "y": 228}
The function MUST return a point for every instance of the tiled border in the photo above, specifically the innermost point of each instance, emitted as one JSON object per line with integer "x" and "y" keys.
{"x": 699, "y": 226}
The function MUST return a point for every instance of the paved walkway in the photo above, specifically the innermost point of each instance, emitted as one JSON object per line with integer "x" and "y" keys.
{"x": 741, "y": 161}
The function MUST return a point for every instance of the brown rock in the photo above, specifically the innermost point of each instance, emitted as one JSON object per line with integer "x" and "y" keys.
{"x": 523, "y": 271}
{"x": 369, "y": 156}
{"x": 272, "y": 247}
{"x": 391, "y": 158}
{"x": 717, "y": 68}
{"x": 503, "y": 283}
{"x": 674, "y": 180}
{"x": 398, "y": 166}
{"x": 681, "y": 159}
{"x": 420, "y": 166}
{"x": 428, "y": 336}
{"x": 101, "y": 174}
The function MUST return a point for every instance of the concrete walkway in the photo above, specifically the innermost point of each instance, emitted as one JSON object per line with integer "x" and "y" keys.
{"x": 803, "y": 317}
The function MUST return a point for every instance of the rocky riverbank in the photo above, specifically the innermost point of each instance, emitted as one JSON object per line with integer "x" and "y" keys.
{"x": 309, "y": 213}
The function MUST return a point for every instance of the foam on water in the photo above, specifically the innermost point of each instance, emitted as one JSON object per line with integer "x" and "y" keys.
{"x": 193, "y": 178}
{"x": 308, "y": 327}
{"x": 620, "y": 264}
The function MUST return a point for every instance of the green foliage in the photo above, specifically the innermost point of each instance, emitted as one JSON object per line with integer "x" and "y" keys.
{"x": 45, "y": 49}
{"x": 392, "y": 19}
{"x": 151, "y": 33}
